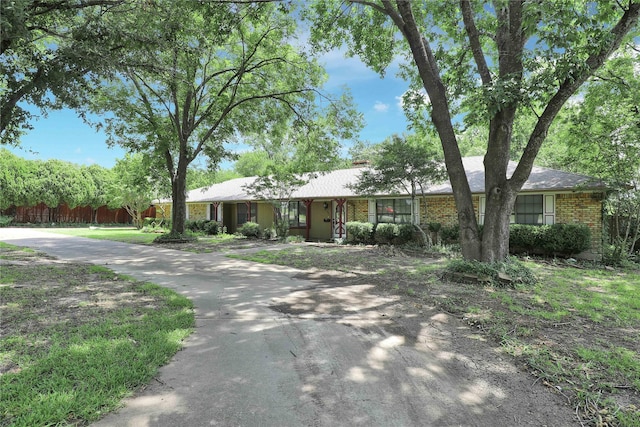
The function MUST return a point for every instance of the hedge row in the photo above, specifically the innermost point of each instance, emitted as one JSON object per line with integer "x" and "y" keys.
{"x": 383, "y": 233}
{"x": 556, "y": 239}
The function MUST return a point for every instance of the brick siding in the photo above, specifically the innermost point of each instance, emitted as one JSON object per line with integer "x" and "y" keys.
{"x": 585, "y": 208}
{"x": 197, "y": 211}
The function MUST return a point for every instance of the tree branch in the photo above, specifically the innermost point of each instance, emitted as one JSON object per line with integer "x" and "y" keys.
{"x": 567, "y": 88}
{"x": 474, "y": 40}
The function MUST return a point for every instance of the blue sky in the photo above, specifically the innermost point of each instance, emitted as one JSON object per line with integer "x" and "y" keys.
{"x": 62, "y": 135}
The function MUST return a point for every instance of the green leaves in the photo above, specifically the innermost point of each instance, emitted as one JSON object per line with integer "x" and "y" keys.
{"x": 401, "y": 165}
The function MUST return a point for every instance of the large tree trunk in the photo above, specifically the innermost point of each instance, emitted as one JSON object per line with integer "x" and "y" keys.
{"x": 179, "y": 197}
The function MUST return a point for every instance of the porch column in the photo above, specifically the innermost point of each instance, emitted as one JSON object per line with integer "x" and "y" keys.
{"x": 340, "y": 219}
{"x": 215, "y": 210}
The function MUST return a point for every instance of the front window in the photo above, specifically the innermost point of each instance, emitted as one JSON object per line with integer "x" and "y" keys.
{"x": 393, "y": 210}
{"x": 246, "y": 213}
{"x": 528, "y": 210}
{"x": 297, "y": 214}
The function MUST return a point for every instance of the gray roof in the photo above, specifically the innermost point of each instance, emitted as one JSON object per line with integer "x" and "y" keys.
{"x": 335, "y": 184}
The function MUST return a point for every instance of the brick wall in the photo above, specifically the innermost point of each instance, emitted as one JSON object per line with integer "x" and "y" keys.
{"x": 442, "y": 209}
{"x": 197, "y": 211}
{"x": 163, "y": 208}
{"x": 585, "y": 208}
{"x": 358, "y": 210}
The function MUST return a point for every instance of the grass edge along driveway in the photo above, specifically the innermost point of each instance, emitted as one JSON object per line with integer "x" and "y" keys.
{"x": 77, "y": 338}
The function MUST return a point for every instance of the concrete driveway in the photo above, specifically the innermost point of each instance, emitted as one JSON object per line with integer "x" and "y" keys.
{"x": 250, "y": 365}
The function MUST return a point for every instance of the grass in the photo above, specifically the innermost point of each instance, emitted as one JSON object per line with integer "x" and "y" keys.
{"x": 577, "y": 329}
{"x": 77, "y": 339}
{"x": 120, "y": 234}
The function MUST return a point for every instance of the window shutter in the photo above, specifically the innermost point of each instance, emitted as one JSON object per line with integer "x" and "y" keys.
{"x": 483, "y": 202}
{"x": 372, "y": 211}
{"x": 549, "y": 209}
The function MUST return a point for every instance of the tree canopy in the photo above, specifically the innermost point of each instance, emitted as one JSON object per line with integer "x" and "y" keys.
{"x": 213, "y": 73}
{"x": 50, "y": 55}
{"x": 488, "y": 64}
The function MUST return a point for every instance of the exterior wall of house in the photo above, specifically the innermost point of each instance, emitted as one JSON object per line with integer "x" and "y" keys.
{"x": 163, "y": 210}
{"x": 585, "y": 208}
{"x": 442, "y": 209}
{"x": 197, "y": 211}
{"x": 358, "y": 210}
{"x": 264, "y": 214}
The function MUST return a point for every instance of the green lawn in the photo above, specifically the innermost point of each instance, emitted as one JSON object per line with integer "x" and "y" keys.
{"x": 77, "y": 338}
{"x": 118, "y": 234}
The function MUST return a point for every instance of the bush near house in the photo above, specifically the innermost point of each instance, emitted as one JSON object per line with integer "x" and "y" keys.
{"x": 203, "y": 226}
{"x": 383, "y": 233}
{"x": 360, "y": 232}
{"x": 556, "y": 239}
{"x": 250, "y": 229}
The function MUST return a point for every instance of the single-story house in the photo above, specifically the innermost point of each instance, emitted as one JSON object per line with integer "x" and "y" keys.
{"x": 320, "y": 209}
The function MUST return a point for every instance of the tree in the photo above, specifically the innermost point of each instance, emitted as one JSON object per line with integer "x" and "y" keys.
{"x": 602, "y": 134}
{"x": 489, "y": 63}
{"x": 213, "y": 73}
{"x": 133, "y": 187}
{"x": 402, "y": 165}
{"x": 102, "y": 179}
{"x": 50, "y": 51}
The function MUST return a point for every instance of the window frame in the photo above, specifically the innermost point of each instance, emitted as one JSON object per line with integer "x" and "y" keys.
{"x": 249, "y": 214}
{"x": 395, "y": 212}
{"x": 300, "y": 208}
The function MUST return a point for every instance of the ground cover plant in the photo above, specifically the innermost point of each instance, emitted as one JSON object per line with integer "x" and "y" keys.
{"x": 576, "y": 329}
{"x": 77, "y": 338}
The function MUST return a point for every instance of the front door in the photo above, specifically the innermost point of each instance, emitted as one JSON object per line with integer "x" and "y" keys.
{"x": 339, "y": 213}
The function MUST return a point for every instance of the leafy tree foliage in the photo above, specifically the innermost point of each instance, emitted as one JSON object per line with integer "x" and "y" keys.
{"x": 50, "y": 51}
{"x": 212, "y": 72}
{"x": 602, "y": 134}
{"x": 402, "y": 165}
{"x": 133, "y": 187}
{"x": 52, "y": 182}
{"x": 488, "y": 63}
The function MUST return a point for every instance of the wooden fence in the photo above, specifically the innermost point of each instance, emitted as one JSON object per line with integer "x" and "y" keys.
{"x": 42, "y": 213}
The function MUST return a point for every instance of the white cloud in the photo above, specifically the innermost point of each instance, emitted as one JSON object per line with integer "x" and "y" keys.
{"x": 381, "y": 107}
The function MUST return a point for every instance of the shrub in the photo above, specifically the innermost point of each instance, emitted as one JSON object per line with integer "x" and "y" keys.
{"x": 212, "y": 228}
{"x": 556, "y": 239}
{"x": 5, "y": 220}
{"x": 250, "y": 229}
{"x": 359, "y": 232}
{"x": 404, "y": 234}
{"x": 149, "y": 221}
{"x": 434, "y": 227}
{"x": 386, "y": 233}
{"x": 524, "y": 238}
{"x": 450, "y": 233}
{"x": 566, "y": 239}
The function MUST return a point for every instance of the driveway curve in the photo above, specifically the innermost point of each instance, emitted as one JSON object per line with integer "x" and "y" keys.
{"x": 249, "y": 364}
